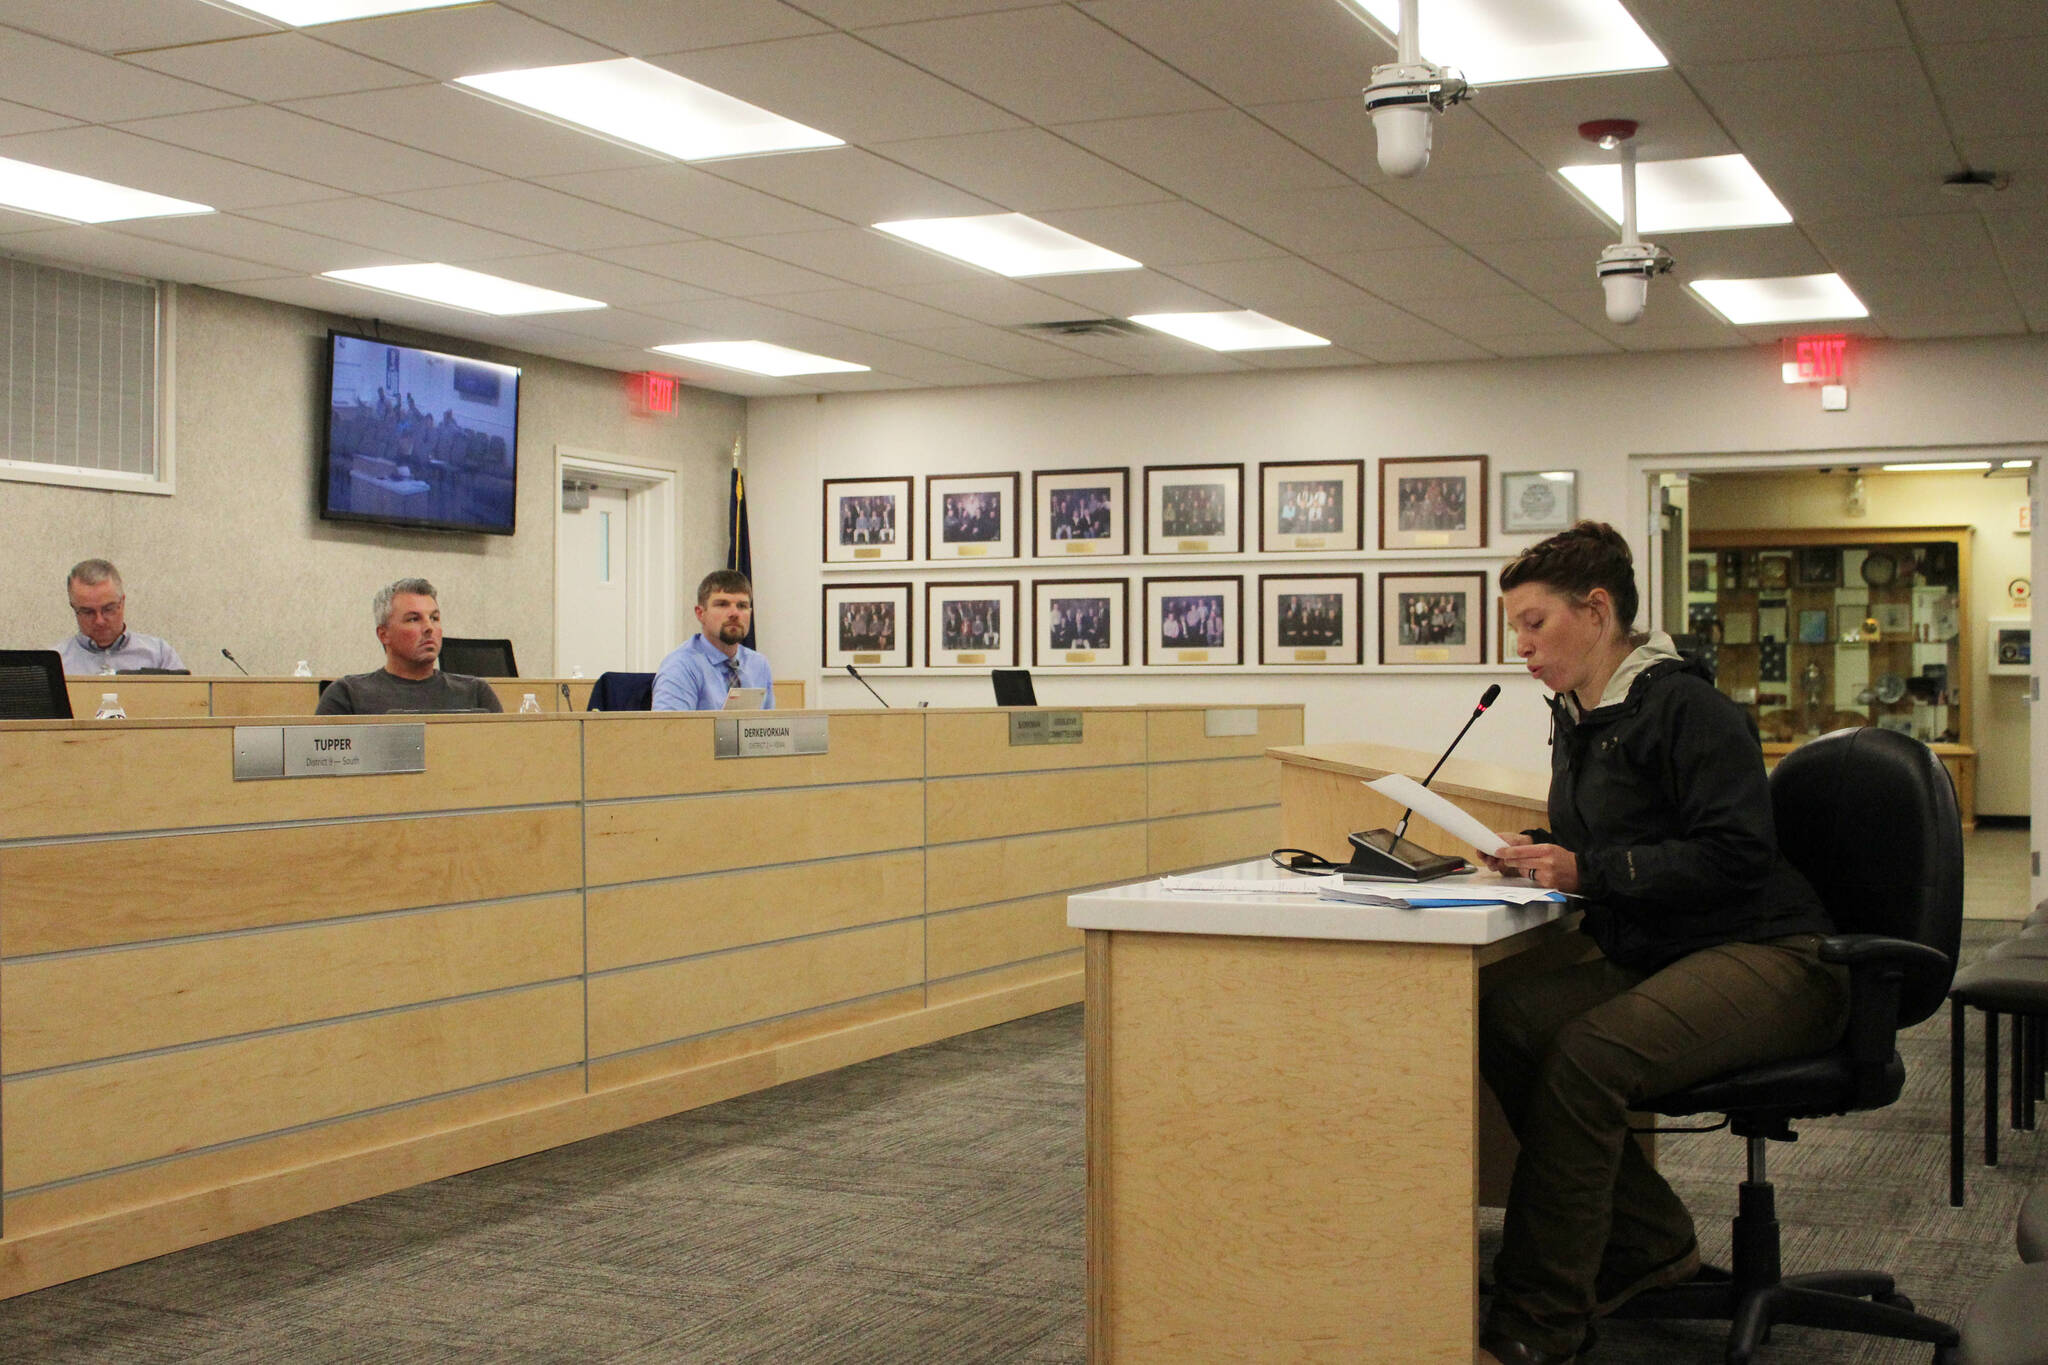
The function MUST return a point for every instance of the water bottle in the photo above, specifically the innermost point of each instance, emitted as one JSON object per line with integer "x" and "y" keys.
{"x": 531, "y": 706}
{"x": 110, "y": 707}
{"x": 304, "y": 670}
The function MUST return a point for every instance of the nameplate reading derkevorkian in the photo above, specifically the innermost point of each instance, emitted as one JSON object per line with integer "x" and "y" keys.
{"x": 766, "y": 737}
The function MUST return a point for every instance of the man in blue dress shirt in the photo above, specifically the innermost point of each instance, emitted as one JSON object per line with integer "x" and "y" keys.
{"x": 104, "y": 644}
{"x": 697, "y": 674}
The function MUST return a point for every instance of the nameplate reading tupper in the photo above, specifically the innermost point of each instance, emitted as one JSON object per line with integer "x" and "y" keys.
{"x": 770, "y": 738}
{"x": 1045, "y": 727}
{"x": 270, "y": 751}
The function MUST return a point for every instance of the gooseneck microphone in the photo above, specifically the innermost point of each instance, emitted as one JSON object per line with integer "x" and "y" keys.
{"x": 1491, "y": 695}
{"x": 233, "y": 660}
{"x": 864, "y": 683}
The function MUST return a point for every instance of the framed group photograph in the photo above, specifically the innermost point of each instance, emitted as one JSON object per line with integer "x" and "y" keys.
{"x": 1432, "y": 618}
{"x": 1081, "y": 512}
{"x": 970, "y": 625}
{"x": 1544, "y": 502}
{"x": 1509, "y": 647}
{"x": 1080, "y": 621}
{"x": 1307, "y": 505}
{"x": 1433, "y": 504}
{"x": 1194, "y": 509}
{"x": 1817, "y": 566}
{"x": 867, "y": 521}
{"x": 971, "y": 516}
{"x": 1194, "y": 620}
{"x": 867, "y": 625}
{"x": 1310, "y": 619}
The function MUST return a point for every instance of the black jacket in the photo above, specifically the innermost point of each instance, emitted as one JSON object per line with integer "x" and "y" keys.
{"x": 1663, "y": 797}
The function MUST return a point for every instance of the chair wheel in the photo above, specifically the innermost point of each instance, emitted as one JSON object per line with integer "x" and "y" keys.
{"x": 1898, "y": 1301}
{"x": 1946, "y": 1355}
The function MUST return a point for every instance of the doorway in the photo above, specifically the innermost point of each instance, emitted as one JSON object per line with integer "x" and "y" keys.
{"x": 615, "y": 528}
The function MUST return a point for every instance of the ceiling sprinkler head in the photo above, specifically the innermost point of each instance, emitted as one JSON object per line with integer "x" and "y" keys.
{"x": 1608, "y": 133}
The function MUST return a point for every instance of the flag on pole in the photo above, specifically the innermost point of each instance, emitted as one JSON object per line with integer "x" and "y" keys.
{"x": 740, "y": 550}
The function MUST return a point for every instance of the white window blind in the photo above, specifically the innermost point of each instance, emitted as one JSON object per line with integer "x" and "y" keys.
{"x": 78, "y": 377}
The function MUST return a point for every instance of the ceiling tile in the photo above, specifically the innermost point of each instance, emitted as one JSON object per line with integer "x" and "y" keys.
{"x": 728, "y": 320}
{"x": 1943, "y": 292}
{"x": 868, "y": 13}
{"x": 292, "y": 144}
{"x": 2008, "y": 321}
{"x": 1252, "y": 54}
{"x": 720, "y": 266}
{"x": 1275, "y": 284}
{"x": 1740, "y": 30}
{"x": 1049, "y": 64}
{"x": 1991, "y": 89}
{"x": 1490, "y": 208}
{"x": 1311, "y": 358}
{"x": 1121, "y": 293}
{"x": 686, "y": 197}
{"x": 1383, "y": 333}
{"x": 1164, "y": 234}
{"x": 1544, "y": 117}
{"x": 1482, "y": 319}
{"x": 1945, "y": 20}
{"x": 1872, "y": 246}
{"x": 1001, "y": 303}
{"x": 594, "y": 279}
{"x": 1345, "y": 219}
{"x": 1016, "y": 353}
{"x": 1417, "y": 275}
{"x": 1214, "y": 158}
{"x": 275, "y": 66}
{"x": 618, "y": 325}
{"x": 868, "y": 309}
{"x": 464, "y": 40}
{"x": 144, "y": 164}
{"x": 1829, "y": 110}
{"x": 115, "y": 251}
{"x": 20, "y": 118}
{"x": 395, "y": 228}
{"x": 853, "y": 185}
{"x": 123, "y": 25}
{"x": 861, "y": 256}
{"x": 1741, "y": 253}
{"x": 541, "y": 214}
{"x": 451, "y": 122}
{"x": 840, "y": 85}
{"x": 1578, "y": 341}
{"x": 1156, "y": 353}
{"x": 83, "y": 85}
{"x": 1547, "y": 266}
{"x": 1024, "y": 169}
{"x": 265, "y": 243}
{"x": 641, "y": 28}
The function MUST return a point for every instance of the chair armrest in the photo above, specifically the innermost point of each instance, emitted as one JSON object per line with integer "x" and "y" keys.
{"x": 1878, "y": 968}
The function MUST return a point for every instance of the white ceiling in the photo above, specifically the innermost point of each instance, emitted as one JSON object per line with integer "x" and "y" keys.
{"x": 1221, "y": 142}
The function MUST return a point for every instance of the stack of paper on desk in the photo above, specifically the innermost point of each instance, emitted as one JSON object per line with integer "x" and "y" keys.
{"x": 1471, "y": 888}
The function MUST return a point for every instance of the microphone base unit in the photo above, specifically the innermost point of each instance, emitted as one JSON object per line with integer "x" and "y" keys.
{"x": 1382, "y": 854}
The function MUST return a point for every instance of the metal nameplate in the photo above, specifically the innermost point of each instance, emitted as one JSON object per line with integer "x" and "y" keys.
{"x": 771, "y": 738}
{"x": 1225, "y": 722}
{"x": 267, "y": 751}
{"x": 1045, "y": 727}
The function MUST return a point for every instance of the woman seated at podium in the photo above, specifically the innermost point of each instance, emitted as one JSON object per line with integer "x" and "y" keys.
{"x": 1708, "y": 944}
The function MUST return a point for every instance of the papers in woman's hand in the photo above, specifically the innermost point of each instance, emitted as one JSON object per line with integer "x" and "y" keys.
{"x": 1406, "y": 791}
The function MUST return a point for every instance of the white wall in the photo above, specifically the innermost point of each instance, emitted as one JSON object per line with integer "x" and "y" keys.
{"x": 238, "y": 556}
{"x": 1588, "y": 414}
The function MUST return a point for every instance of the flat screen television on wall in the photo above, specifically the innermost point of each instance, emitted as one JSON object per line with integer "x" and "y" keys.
{"x": 419, "y": 438}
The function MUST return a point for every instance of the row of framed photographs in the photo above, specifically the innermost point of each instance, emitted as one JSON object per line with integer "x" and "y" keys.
{"x": 1303, "y": 619}
{"x": 1302, "y": 507}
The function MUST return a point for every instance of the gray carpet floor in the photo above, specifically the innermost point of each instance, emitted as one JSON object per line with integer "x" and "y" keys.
{"x": 926, "y": 1207}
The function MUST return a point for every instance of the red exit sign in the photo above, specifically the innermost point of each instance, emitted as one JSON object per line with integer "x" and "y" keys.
{"x": 654, "y": 395}
{"x": 1814, "y": 360}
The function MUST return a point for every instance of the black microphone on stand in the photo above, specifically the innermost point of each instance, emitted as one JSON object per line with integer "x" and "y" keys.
{"x": 233, "y": 660}
{"x": 864, "y": 683}
{"x": 1386, "y": 854}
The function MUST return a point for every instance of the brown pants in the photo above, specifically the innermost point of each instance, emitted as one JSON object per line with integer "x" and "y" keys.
{"x": 1568, "y": 1053}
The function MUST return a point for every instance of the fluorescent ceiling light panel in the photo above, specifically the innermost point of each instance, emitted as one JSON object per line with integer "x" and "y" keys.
{"x": 1691, "y": 195}
{"x": 300, "y": 13}
{"x": 1009, "y": 244}
{"x": 466, "y": 289}
{"x": 1789, "y": 298}
{"x": 1239, "y": 331}
{"x": 1494, "y": 41}
{"x": 641, "y": 104}
{"x": 1935, "y": 467}
{"x": 759, "y": 357}
{"x": 80, "y": 198}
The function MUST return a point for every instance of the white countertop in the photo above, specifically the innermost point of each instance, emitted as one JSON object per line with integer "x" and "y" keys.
{"x": 1147, "y": 907}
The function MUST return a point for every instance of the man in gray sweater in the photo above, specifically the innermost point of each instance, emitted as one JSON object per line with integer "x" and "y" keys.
{"x": 408, "y": 615}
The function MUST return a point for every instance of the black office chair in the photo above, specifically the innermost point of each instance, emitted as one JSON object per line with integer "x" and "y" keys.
{"x": 622, "y": 692}
{"x": 1869, "y": 816}
{"x": 32, "y": 685}
{"x": 478, "y": 658}
{"x": 1013, "y": 687}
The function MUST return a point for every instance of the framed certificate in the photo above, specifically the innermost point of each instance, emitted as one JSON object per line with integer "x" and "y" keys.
{"x": 1545, "y": 501}
{"x": 1078, "y": 622}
